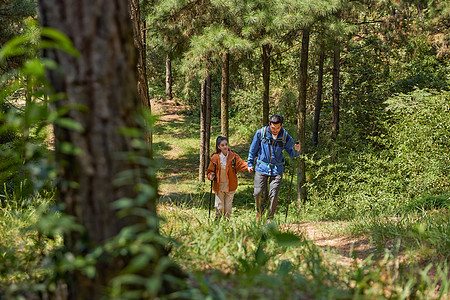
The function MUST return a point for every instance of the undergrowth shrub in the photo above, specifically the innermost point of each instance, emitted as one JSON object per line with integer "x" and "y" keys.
{"x": 411, "y": 160}
{"x": 429, "y": 202}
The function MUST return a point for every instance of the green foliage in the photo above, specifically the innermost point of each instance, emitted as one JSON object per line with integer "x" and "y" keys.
{"x": 419, "y": 139}
{"x": 15, "y": 16}
{"x": 24, "y": 119}
{"x": 246, "y": 113}
{"x": 430, "y": 202}
{"x": 209, "y": 46}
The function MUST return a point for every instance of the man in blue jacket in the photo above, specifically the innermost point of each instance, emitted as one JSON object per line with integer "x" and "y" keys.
{"x": 267, "y": 149}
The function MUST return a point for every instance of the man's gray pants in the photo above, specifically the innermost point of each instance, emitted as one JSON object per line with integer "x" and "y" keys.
{"x": 260, "y": 187}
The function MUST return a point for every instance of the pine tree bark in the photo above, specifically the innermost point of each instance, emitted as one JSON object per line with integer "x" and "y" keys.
{"x": 224, "y": 94}
{"x": 266, "y": 49}
{"x": 168, "y": 76}
{"x": 301, "y": 177}
{"x": 202, "y": 162}
{"x": 102, "y": 82}
{"x": 208, "y": 120}
{"x": 318, "y": 104}
{"x": 141, "y": 67}
{"x": 336, "y": 92}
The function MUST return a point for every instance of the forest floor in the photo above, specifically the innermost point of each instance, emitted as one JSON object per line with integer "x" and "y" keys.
{"x": 180, "y": 171}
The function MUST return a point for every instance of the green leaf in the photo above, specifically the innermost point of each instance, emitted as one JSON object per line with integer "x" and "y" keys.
{"x": 130, "y": 132}
{"x": 130, "y": 279}
{"x": 139, "y": 262}
{"x": 57, "y": 40}
{"x": 34, "y": 67}
{"x": 287, "y": 239}
{"x": 261, "y": 257}
{"x": 68, "y": 148}
{"x": 69, "y": 124}
{"x": 123, "y": 203}
{"x": 13, "y": 47}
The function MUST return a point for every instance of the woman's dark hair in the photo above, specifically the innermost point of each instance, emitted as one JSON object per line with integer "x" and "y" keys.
{"x": 276, "y": 119}
{"x": 218, "y": 141}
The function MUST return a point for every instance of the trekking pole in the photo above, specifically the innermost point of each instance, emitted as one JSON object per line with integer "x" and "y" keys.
{"x": 210, "y": 196}
{"x": 290, "y": 188}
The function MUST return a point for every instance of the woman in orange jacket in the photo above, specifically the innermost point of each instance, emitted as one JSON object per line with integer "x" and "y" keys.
{"x": 223, "y": 170}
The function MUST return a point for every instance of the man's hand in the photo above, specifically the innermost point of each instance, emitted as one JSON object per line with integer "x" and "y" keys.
{"x": 250, "y": 169}
{"x": 297, "y": 147}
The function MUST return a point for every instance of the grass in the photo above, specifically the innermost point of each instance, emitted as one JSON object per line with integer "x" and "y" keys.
{"x": 22, "y": 248}
{"x": 428, "y": 232}
{"x": 244, "y": 259}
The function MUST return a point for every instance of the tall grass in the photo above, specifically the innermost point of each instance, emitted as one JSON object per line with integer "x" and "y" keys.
{"x": 22, "y": 248}
{"x": 245, "y": 259}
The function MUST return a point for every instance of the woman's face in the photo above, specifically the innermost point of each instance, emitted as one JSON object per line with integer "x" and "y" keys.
{"x": 223, "y": 146}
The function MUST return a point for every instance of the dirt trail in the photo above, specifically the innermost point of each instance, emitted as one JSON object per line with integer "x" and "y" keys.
{"x": 348, "y": 249}
{"x": 167, "y": 109}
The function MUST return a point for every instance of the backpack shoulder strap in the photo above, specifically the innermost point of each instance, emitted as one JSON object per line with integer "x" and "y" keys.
{"x": 284, "y": 137}
{"x": 233, "y": 164}
{"x": 263, "y": 132}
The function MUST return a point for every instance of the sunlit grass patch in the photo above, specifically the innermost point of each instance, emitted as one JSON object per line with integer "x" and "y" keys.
{"x": 427, "y": 233}
{"x": 22, "y": 248}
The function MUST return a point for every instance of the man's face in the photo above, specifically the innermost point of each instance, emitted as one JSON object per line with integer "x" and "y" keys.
{"x": 275, "y": 128}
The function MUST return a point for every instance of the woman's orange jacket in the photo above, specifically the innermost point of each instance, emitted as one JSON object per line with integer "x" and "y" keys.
{"x": 214, "y": 168}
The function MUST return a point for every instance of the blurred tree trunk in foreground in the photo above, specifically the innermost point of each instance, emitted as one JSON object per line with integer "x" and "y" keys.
{"x": 99, "y": 91}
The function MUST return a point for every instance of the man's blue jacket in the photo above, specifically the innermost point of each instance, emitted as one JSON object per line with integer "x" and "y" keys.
{"x": 268, "y": 152}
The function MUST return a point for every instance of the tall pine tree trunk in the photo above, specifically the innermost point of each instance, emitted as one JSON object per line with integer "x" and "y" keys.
{"x": 301, "y": 190}
{"x": 208, "y": 120}
{"x": 335, "y": 117}
{"x": 168, "y": 76}
{"x": 202, "y": 163}
{"x": 266, "y": 49}
{"x": 102, "y": 81}
{"x": 141, "y": 67}
{"x": 224, "y": 94}
{"x": 318, "y": 105}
